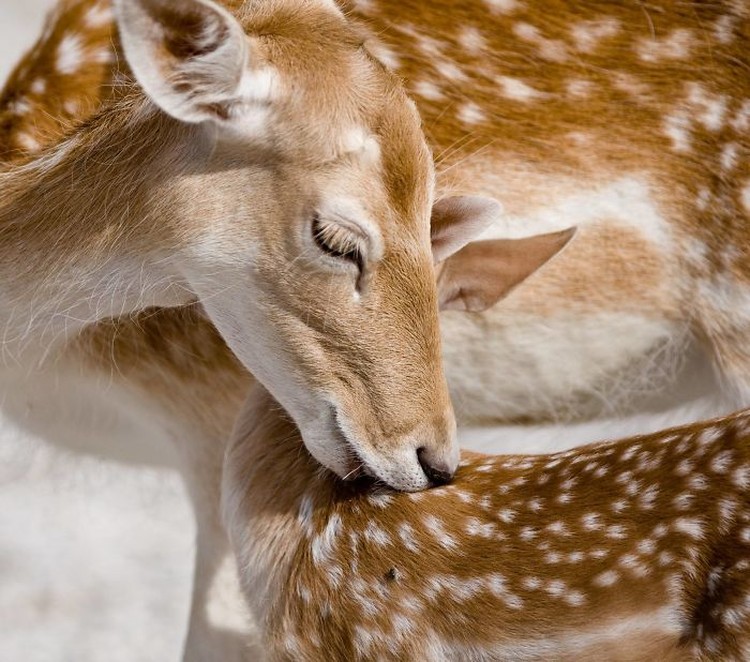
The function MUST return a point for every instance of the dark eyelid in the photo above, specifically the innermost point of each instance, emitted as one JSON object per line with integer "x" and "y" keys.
{"x": 354, "y": 256}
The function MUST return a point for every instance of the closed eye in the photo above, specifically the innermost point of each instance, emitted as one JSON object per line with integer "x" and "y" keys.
{"x": 338, "y": 241}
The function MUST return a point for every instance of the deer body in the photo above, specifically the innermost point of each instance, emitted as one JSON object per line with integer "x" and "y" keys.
{"x": 630, "y": 550}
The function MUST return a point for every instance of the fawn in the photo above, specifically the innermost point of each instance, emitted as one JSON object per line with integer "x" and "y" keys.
{"x": 637, "y": 549}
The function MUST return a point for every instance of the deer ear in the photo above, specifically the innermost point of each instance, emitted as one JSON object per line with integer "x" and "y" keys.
{"x": 458, "y": 220}
{"x": 482, "y": 273}
{"x": 190, "y": 57}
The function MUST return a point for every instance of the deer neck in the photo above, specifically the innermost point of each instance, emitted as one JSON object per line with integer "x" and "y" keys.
{"x": 82, "y": 226}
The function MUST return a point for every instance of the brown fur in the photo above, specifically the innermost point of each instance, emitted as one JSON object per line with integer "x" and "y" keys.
{"x": 597, "y": 108}
{"x": 630, "y": 550}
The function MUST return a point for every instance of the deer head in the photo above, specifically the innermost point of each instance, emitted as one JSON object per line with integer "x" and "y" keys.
{"x": 308, "y": 211}
{"x": 276, "y": 172}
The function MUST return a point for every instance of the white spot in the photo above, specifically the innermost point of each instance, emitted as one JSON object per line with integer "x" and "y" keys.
{"x": 607, "y": 578}
{"x": 617, "y": 531}
{"x": 69, "y": 54}
{"x": 549, "y": 49}
{"x": 528, "y": 533}
{"x": 71, "y": 107}
{"x": 450, "y": 70}
{"x": 578, "y": 88}
{"x": 531, "y": 583}
{"x": 619, "y": 506}
{"x": 39, "y": 86}
{"x": 475, "y": 527}
{"x": 556, "y": 587}
{"x": 591, "y": 521}
{"x": 535, "y": 505}
{"x": 436, "y": 527}
{"x": 724, "y": 29}
{"x": 648, "y": 497}
{"x": 559, "y": 528}
{"x": 428, "y": 90}
{"x": 677, "y": 129}
{"x": 322, "y": 544}
{"x": 683, "y": 501}
{"x": 697, "y": 482}
{"x": 552, "y": 558}
{"x": 516, "y": 89}
{"x": 472, "y": 41}
{"x": 745, "y": 195}
{"x": 676, "y": 46}
{"x": 406, "y": 533}
{"x": 102, "y": 55}
{"x": 588, "y": 34}
{"x": 689, "y": 526}
{"x": 507, "y": 515}
{"x": 469, "y": 113}
{"x": 381, "y": 500}
{"x": 503, "y": 6}
{"x": 98, "y": 16}
{"x": 741, "y": 477}
{"x": 498, "y": 586}
{"x": 20, "y": 106}
{"x": 375, "y": 534}
{"x": 722, "y": 462}
{"x": 575, "y": 598}
{"x": 729, "y": 156}
{"x": 665, "y": 558}
{"x": 712, "y": 108}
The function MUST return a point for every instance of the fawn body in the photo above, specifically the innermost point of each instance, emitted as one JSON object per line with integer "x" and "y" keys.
{"x": 637, "y": 549}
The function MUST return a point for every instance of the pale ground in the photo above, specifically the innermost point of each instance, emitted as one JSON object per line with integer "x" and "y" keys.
{"x": 95, "y": 557}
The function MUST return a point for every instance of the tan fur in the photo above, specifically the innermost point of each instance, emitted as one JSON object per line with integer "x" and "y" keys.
{"x": 630, "y": 550}
{"x": 609, "y": 267}
{"x": 584, "y": 97}
{"x": 223, "y": 213}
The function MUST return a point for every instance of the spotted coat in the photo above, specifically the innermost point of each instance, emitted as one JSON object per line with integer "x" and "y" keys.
{"x": 631, "y": 550}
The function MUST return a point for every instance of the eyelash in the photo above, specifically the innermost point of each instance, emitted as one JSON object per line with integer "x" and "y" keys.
{"x": 332, "y": 239}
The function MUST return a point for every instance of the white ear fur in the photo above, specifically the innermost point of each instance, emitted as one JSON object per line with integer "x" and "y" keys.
{"x": 189, "y": 56}
{"x": 458, "y": 220}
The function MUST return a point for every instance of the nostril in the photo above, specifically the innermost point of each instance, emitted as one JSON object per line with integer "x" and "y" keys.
{"x": 437, "y": 473}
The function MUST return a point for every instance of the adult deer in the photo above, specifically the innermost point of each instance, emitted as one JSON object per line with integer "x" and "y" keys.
{"x": 637, "y": 549}
{"x": 611, "y": 118}
{"x": 240, "y": 177}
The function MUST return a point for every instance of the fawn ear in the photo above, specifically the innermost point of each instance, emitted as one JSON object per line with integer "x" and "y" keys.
{"x": 482, "y": 273}
{"x": 458, "y": 220}
{"x": 190, "y": 57}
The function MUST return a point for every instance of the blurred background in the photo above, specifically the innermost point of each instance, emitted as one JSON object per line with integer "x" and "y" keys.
{"x": 95, "y": 556}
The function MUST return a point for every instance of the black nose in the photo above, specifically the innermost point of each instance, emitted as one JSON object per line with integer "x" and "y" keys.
{"x": 437, "y": 473}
